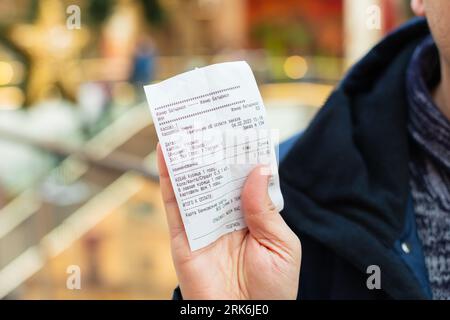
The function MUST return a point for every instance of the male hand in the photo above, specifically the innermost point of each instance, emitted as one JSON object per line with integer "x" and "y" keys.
{"x": 260, "y": 262}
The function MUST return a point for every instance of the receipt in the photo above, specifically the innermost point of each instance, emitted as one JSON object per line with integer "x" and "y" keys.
{"x": 211, "y": 124}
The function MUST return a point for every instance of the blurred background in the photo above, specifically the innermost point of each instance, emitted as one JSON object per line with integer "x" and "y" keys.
{"x": 78, "y": 186}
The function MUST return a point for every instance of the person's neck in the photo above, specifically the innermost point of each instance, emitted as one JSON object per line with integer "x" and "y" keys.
{"x": 441, "y": 94}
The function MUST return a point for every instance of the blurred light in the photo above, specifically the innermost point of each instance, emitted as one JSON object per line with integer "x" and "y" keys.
{"x": 6, "y": 73}
{"x": 60, "y": 39}
{"x": 18, "y": 70}
{"x": 11, "y": 98}
{"x": 295, "y": 67}
{"x": 92, "y": 97}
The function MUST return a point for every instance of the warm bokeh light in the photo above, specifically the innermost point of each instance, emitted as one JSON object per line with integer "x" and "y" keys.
{"x": 11, "y": 98}
{"x": 6, "y": 73}
{"x": 295, "y": 67}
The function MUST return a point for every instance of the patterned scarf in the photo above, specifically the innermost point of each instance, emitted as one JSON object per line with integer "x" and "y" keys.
{"x": 430, "y": 166}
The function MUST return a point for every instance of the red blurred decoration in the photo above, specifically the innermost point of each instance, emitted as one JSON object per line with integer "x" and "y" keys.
{"x": 321, "y": 19}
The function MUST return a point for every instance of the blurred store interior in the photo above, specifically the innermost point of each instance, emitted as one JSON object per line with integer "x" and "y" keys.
{"x": 78, "y": 179}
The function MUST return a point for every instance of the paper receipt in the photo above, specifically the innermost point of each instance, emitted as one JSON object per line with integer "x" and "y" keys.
{"x": 211, "y": 124}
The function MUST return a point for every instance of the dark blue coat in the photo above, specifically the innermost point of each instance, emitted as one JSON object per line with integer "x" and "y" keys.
{"x": 345, "y": 181}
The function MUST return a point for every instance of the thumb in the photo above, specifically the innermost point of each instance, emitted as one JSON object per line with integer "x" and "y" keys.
{"x": 263, "y": 219}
